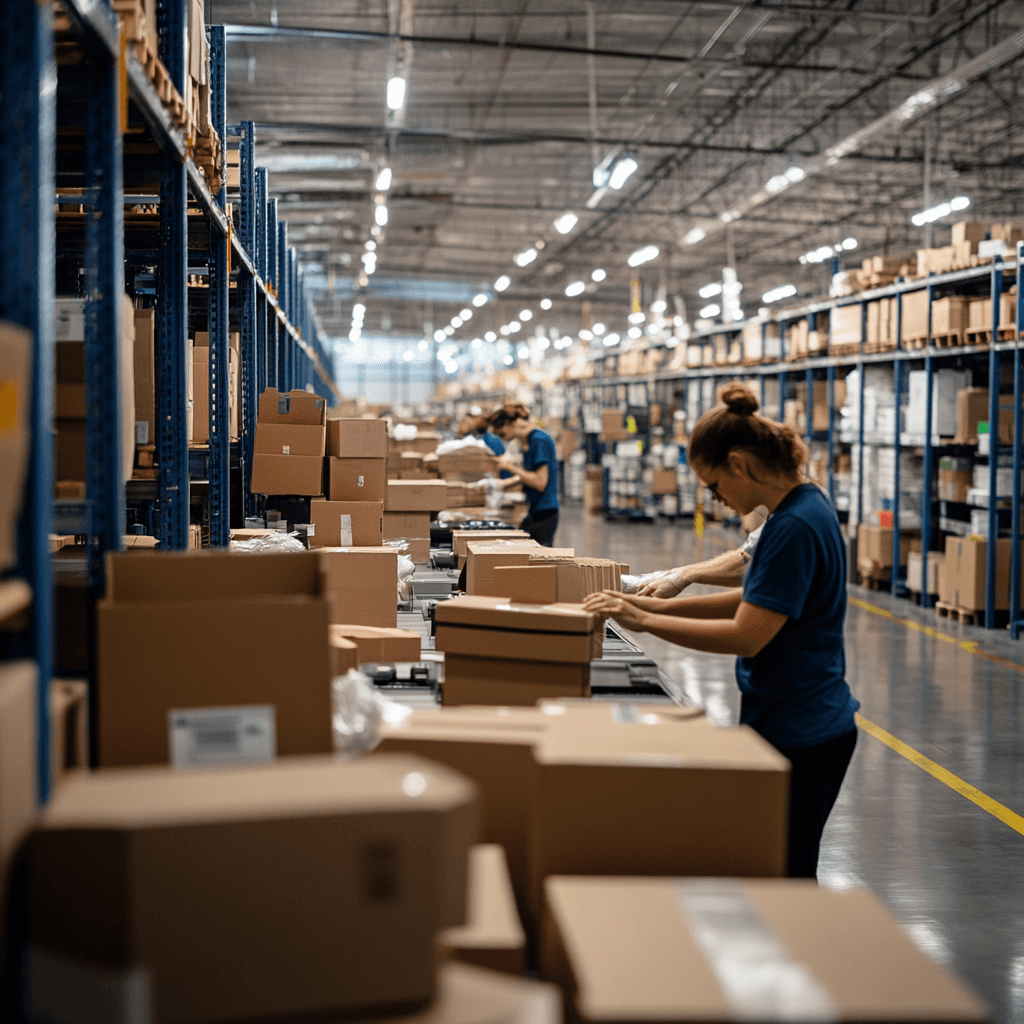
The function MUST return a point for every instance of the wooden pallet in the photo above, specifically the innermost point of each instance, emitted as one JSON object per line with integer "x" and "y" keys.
{"x": 983, "y": 338}
{"x": 844, "y": 350}
{"x": 965, "y": 616}
{"x": 879, "y": 346}
{"x": 950, "y": 340}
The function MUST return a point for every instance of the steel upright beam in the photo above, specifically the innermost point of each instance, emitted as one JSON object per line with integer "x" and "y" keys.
{"x": 284, "y": 343}
{"x": 28, "y": 85}
{"x": 273, "y": 276}
{"x": 249, "y": 385}
{"x": 262, "y": 306}
{"x": 172, "y": 312}
{"x": 830, "y": 399}
{"x": 860, "y": 415}
{"x": 1018, "y": 453}
{"x": 926, "y": 489}
{"x": 898, "y": 371}
{"x": 220, "y": 420}
{"x": 993, "y": 449}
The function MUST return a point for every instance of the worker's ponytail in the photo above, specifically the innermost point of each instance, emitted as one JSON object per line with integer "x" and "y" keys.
{"x": 508, "y": 413}
{"x": 735, "y": 426}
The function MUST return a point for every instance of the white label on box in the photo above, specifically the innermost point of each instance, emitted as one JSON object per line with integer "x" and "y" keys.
{"x": 346, "y": 531}
{"x": 360, "y": 482}
{"x": 142, "y": 431}
{"x": 286, "y": 449}
{"x": 201, "y": 737}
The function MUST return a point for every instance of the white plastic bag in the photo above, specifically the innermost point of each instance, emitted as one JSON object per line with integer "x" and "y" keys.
{"x": 406, "y": 567}
{"x": 269, "y": 543}
{"x": 447, "y": 447}
{"x": 358, "y": 712}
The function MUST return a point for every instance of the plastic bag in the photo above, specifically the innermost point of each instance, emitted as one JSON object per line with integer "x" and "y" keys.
{"x": 269, "y": 543}
{"x": 447, "y": 447}
{"x": 631, "y": 584}
{"x": 406, "y": 567}
{"x": 404, "y": 431}
{"x": 358, "y": 712}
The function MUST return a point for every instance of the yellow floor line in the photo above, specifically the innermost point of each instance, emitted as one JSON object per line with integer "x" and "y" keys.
{"x": 970, "y": 646}
{"x": 965, "y": 789}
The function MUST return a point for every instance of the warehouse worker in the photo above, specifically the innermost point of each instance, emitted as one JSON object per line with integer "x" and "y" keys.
{"x": 475, "y": 424}
{"x": 785, "y": 625}
{"x": 724, "y": 570}
{"x": 538, "y": 473}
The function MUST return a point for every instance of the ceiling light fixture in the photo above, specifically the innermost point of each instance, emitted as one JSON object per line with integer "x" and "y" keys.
{"x": 637, "y": 318}
{"x": 598, "y": 275}
{"x": 525, "y": 257}
{"x": 514, "y": 325}
{"x": 490, "y": 336}
{"x": 574, "y": 289}
{"x": 380, "y": 216}
{"x": 599, "y": 329}
{"x": 566, "y": 223}
{"x": 545, "y": 303}
{"x": 383, "y": 182}
{"x": 611, "y": 339}
{"x": 466, "y": 314}
{"x": 396, "y": 93}
{"x": 644, "y": 255}
{"x": 659, "y": 306}
{"x": 456, "y": 322}
{"x": 694, "y": 235}
{"x": 371, "y": 245}
{"x": 585, "y": 335}
{"x": 635, "y": 332}
{"x": 784, "y": 291}
{"x": 938, "y": 212}
{"x": 502, "y": 283}
{"x": 477, "y": 343}
{"x": 439, "y": 335}
{"x": 479, "y": 300}
{"x": 621, "y": 172}
{"x": 709, "y": 311}
{"x": 525, "y": 315}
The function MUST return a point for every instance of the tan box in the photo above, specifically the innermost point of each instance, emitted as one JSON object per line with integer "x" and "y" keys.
{"x": 70, "y": 402}
{"x": 532, "y": 584}
{"x": 416, "y": 496}
{"x": 482, "y": 558}
{"x": 69, "y": 728}
{"x": 844, "y": 325}
{"x": 362, "y": 584}
{"x": 344, "y": 655}
{"x": 507, "y": 682}
{"x": 356, "y": 479}
{"x": 467, "y": 464}
{"x": 366, "y": 521}
{"x": 954, "y": 484}
{"x": 71, "y": 450}
{"x": 874, "y": 545}
{"x": 357, "y": 439}
{"x": 238, "y": 880}
{"x": 287, "y": 474}
{"x": 419, "y": 549}
{"x": 407, "y": 525}
{"x": 211, "y": 629}
{"x": 570, "y": 578}
{"x": 145, "y": 376}
{"x": 980, "y": 313}
{"x": 15, "y": 433}
{"x": 914, "y": 565}
{"x": 949, "y": 315}
{"x": 969, "y": 231}
{"x": 948, "y": 571}
{"x": 728, "y": 790}
{"x": 968, "y": 580}
{"x": 971, "y": 407}
{"x": 460, "y": 538}
{"x": 664, "y": 482}
{"x": 375, "y": 643}
{"x": 493, "y": 935}
{"x": 200, "y": 395}
{"x": 915, "y": 314}
{"x": 643, "y": 949}
{"x": 298, "y": 407}
{"x": 289, "y": 439}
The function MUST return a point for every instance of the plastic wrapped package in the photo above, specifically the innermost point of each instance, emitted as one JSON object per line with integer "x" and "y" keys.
{"x": 460, "y": 444}
{"x": 358, "y": 711}
{"x": 406, "y": 568}
{"x": 631, "y": 584}
{"x": 269, "y": 544}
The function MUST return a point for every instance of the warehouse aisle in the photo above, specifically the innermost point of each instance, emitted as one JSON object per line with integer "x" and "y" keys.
{"x": 945, "y": 864}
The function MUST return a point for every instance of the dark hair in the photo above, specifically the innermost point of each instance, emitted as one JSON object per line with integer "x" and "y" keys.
{"x": 508, "y": 413}
{"x": 734, "y": 425}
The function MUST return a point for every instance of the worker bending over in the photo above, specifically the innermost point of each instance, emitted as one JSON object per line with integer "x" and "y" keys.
{"x": 785, "y": 625}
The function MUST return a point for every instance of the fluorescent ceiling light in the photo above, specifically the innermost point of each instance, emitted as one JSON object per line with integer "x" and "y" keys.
{"x": 777, "y": 184}
{"x": 659, "y": 306}
{"x": 849, "y": 243}
{"x": 598, "y": 275}
{"x": 479, "y": 300}
{"x": 635, "y": 332}
{"x": 456, "y": 322}
{"x": 358, "y": 310}
{"x": 938, "y": 212}
{"x": 709, "y": 311}
{"x": 503, "y": 329}
{"x": 644, "y": 255}
{"x": 525, "y": 257}
{"x": 477, "y": 343}
{"x": 545, "y": 303}
{"x": 449, "y": 330}
{"x": 439, "y": 335}
{"x": 502, "y": 283}
{"x": 729, "y": 216}
{"x": 566, "y": 223}
{"x": 611, "y": 339}
{"x": 576, "y": 288}
{"x": 523, "y": 351}
{"x": 784, "y": 291}
{"x": 525, "y": 315}
{"x": 466, "y": 314}
{"x": 383, "y": 182}
{"x": 514, "y": 325}
{"x": 543, "y": 344}
{"x": 585, "y": 335}
{"x": 795, "y": 174}
{"x": 599, "y": 329}
{"x": 621, "y": 172}
{"x": 490, "y": 336}
{"x": 380, "y": 216}
{"x": 371, "y": 245}
{"x": 637, "y": 318}
{"x": 396, "y": 93}
{"x": 693, "y": 236}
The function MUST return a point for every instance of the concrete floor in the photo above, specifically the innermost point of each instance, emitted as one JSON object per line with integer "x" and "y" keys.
{"x": 949, "y": 870}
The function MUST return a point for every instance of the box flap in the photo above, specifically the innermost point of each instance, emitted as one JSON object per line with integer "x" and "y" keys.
{"x": 501, "y": 613}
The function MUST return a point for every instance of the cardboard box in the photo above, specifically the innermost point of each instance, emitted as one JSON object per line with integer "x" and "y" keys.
{"x": 71, "y": 452}
{"x": 493, "y": 935}
{"x": 366, "y": 523}
{"x": 467, "y": 464}
{"x": 298, "y": 439}
{"x": 211, "y": 629}
{"x": 200, "y": 395}
{"x": 357, "y": 439}
{"x": 956, "y": 478}
{"x": 418, "y": 549}
{"x": 570, "y": 577}
{"x": 362, "y": 583}
{"x": 70, "y": 402}
{"x": 971, "y": 407}
{"x": 949, "y": 315}
{"x": 416, "y": 496}
{"x": 914, "y": 564}
{"x": 482, "y": 558}
{"x": 845, "y": 325}
{"x": 15, "y": 434}
{"x": 287, "y": 474}
{"x": 344, "y": 655}
{"x": 507, "y": 682}
{"x": 728, "y": 790}
{"x": 533, "y": 584}
{"x": 356, "y": 479}
{"x": 643, "y": 949}
{"x": 375, "y": 643}
{"x": 240, "y": 880}
{"x": 980, "y": 313}
{"x": 407, "y": 526}
{"x": 460, "y": 538}
{"x": 69, "y": 728}
{"x": 947, "y": 579}
{"x": 874, "y": 546}
{"x": 296, "y": 407}
{"x": 613, "y": 425}
{"x": 968, "y": 565}
{"x": 969, "y": 231}
{"x": 664, "y": 482}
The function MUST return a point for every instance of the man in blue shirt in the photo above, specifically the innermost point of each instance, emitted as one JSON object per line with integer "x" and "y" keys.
{"x": 538, "y": 473}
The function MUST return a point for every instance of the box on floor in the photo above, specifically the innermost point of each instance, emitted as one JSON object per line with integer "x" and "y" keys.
{"x": 668, "y": 949}
{"x": 303, "y": 887}
{"x": 362, "y": 585}
{"x": 256, "y": 630}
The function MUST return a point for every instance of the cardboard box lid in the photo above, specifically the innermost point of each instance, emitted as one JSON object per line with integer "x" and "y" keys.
{"x": 172, "y": 576}
{"x": 500, "y": 613}
{"x": 492, "y": 919}
{"x": 470, "y": 724}
{"x": 373, "y": 633}
{"x": 635, "y": 955}
{"x": 291, "y": 787}
{"x": 691, "y": 743}
{"x": 302, "y": 407}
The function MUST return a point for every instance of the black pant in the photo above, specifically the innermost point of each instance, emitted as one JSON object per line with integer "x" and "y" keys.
{"x": 817, "y": 775}
{"x": 541, "y": 526}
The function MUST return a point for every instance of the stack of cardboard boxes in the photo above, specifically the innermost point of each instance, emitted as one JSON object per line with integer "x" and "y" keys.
{"x": 200, "y": 433}
{"x": 961, "y": 573}
{"x": 288, "y": 455}
{"x": 409, "y": 507}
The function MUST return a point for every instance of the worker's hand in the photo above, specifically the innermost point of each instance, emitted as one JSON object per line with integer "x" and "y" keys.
{"x": 662, "y": 586}
{"x": 610, "y": 604}
{"x": 505, "y": 462}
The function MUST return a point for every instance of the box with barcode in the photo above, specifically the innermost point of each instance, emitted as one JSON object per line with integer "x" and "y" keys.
{"x": 347, "y": 523}
{"x": 305, "y": 889}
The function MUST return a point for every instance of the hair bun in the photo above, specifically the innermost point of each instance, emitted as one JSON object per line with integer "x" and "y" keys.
{"x": 739, "y": 400}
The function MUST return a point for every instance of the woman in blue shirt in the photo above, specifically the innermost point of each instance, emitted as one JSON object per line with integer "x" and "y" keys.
{"x": 785, "y": 624}
{"x": 538, "y": 473}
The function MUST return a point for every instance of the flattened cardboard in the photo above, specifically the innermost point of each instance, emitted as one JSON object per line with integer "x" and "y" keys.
{"x": 362, "y": 584}
{"x": 357, "y": 439}
{"x": 367, "y": 519}
{"x": 356, "y": 479}
{"x": 300, "y": 439}
{"x": 493, "y": 935}
{"x": 377, "y": 643}
{"x": 530, "y": 584}
{"x": 627, "y": 952}
{"x": 287, "y": 474}
{"x": 509, "y": 683}
{"x": 416, "y": 496}
{"x": 237, "y": 880}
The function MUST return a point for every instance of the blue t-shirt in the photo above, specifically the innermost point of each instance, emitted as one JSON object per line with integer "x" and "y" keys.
{"x": 494, "y": 443}
{"x": 541, "y": 452}
{"x": 794, "y": 692}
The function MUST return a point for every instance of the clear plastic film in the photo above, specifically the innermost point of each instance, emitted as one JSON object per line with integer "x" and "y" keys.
{"x": 270, "y": 543}
{"x": 406, "y": 568}
{"x": 758, "y": 976}
{"x": 631, "y": 584}
{"x": 359, "y": 711}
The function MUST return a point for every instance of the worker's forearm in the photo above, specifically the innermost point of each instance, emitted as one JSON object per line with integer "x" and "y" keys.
{"x": 724, "y": 570}
{"x": 711, "y": 606}
{"x": 531, "y": 479}
{"x": 721, "y": 636}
